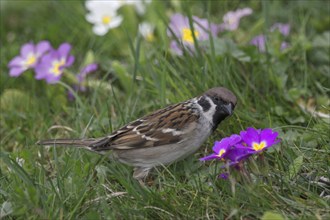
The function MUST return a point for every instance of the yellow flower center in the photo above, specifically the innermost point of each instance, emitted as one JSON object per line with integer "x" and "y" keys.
{"x": 259, "y": 146}
{"x": 57, "y": 67}
{"x": 231, "y": 21}
{"x": 150, "y": 37}
{"x": 106, "y": 19}
{"x": 222, "y": 151}
{"x": 30, "y": 60}
{"x": 187, "y": 35}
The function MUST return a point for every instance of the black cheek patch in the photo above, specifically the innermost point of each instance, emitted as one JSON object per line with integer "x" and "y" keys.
{"x": 204, "y": 103}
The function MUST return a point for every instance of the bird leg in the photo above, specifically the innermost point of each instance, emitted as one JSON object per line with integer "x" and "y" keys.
{"x": 140, "y": 174}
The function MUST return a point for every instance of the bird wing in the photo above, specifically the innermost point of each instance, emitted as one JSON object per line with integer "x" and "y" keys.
{"x": 163, "y": 127}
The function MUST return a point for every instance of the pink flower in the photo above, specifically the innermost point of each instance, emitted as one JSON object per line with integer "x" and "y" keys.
{"x": 260, "y": 42}
{"x": 29, "y": 57}
{"x": 52, "y": 64}
{"x": 180, "y": 29}
{"x": 232, "y": 18}
{"x": 284, "y": 29}
{"x": 81, "y": 77}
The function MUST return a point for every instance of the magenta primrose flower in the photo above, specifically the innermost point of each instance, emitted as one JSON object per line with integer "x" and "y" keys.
{"x": 180, "y": 29}
{"x": 29, "y": 57}
{"x": 52, "y": 64}
{"x": 239, "y": 147}
{"x": 258, "y": 140}
{"x": 222, "y": 147}
{"x": 232, "y": 18}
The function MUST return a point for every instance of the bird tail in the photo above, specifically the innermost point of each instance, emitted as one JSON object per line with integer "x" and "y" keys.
{"x": 99, "y": 144}
{"x": 71, "y": 142}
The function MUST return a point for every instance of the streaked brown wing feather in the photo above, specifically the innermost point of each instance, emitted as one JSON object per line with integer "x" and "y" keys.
{"x": 148, "y": 131}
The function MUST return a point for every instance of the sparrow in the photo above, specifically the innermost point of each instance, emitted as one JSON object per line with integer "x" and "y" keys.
{"x": 164, "y": 136}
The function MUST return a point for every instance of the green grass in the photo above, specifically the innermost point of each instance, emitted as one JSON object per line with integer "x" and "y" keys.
{"x": 135, "y": 78}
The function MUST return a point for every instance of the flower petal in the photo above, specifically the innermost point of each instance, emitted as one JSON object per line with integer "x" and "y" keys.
{"x": 100, "y": 29}
{"x": 260, "y": 42}
{"x": 225, "y": 143}
{"x": 116, "y": 21}
{"x": 238, "y": 153}
{"x": 41, "y": 71}
{"x": 284, "y": 45}
{"x": 224, "y": 176}
{"x": 177, "y": 23}
{"x": 42, "y": 47}
{"x": 64, "y": 49}
{"x": 204, "y": 28}
{"x": 27, "y": 49}
{"x": 91, "y": 18}
{"x": 232, "y": 18}
{"x": 86, "y": 70}
{"x": 209, "y": 157}
{"x": 16, "y": 62}
{"x": 284, "y": 29}
{"x": 69, "y": 61}
{"x": 175, "y": 48}
{"x": 268, "y": 136}
{"x": 249, "y": 136}
{"x": 16, "y": 71}
{"x": 51, "y": 79}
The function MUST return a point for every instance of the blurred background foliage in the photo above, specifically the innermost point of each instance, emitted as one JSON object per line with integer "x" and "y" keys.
{"x": 287, "y": 90}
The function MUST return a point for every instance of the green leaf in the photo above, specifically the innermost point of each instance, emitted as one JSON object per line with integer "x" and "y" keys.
{"x": 17, "y": 169}
{"x": 296, "y": 93}
{"x": 89, "y": 58}
{"x": 271, "y": 216}
{"x": 122, "y": 75}
{"x": 227, "y": 46}
{"x": 322, "y": 40}
{"x": 295, "y": 167}
{"x": 13, "y": 100}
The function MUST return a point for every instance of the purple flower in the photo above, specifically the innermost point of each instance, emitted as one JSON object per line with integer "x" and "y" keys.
{"x": 29, "y": 57}
{"x": 284, "y": 45}
{"x": 284, "y": 29}
{"x": 260, "y": 42}
{"x": 222, "y": 147}
{"x": 85, "y": 71}
{"x": 236, "y": 153}
{"x": 236, "y": 148}
{"x": 224, "y": 176}
{"x": 258, "y": 140}
{"x": 176, "y": 48}
{"x": 81, "y": 77}
{"x": 180, "y": 29}
{"x": 52, "y": 64}
{"x": 232, "y": 18}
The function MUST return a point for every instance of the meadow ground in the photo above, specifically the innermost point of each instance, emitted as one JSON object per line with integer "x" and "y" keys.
{"x": 281, "y": 79}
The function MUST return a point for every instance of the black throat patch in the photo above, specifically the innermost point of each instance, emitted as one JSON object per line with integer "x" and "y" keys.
{"x": 204, "y": 103}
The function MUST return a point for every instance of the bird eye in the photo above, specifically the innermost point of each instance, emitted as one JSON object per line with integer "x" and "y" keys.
{"x": 216, "y": 99}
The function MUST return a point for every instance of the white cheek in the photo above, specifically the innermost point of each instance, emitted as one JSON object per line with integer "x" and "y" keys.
{"x": 209, "y": 114}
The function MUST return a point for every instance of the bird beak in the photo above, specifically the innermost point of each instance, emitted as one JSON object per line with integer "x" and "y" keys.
{"x": 228, "y": 108}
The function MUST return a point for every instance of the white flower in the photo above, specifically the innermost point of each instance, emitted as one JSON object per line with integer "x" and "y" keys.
{"x": 147, "y": 31}
{"x": 103, "y": 14}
